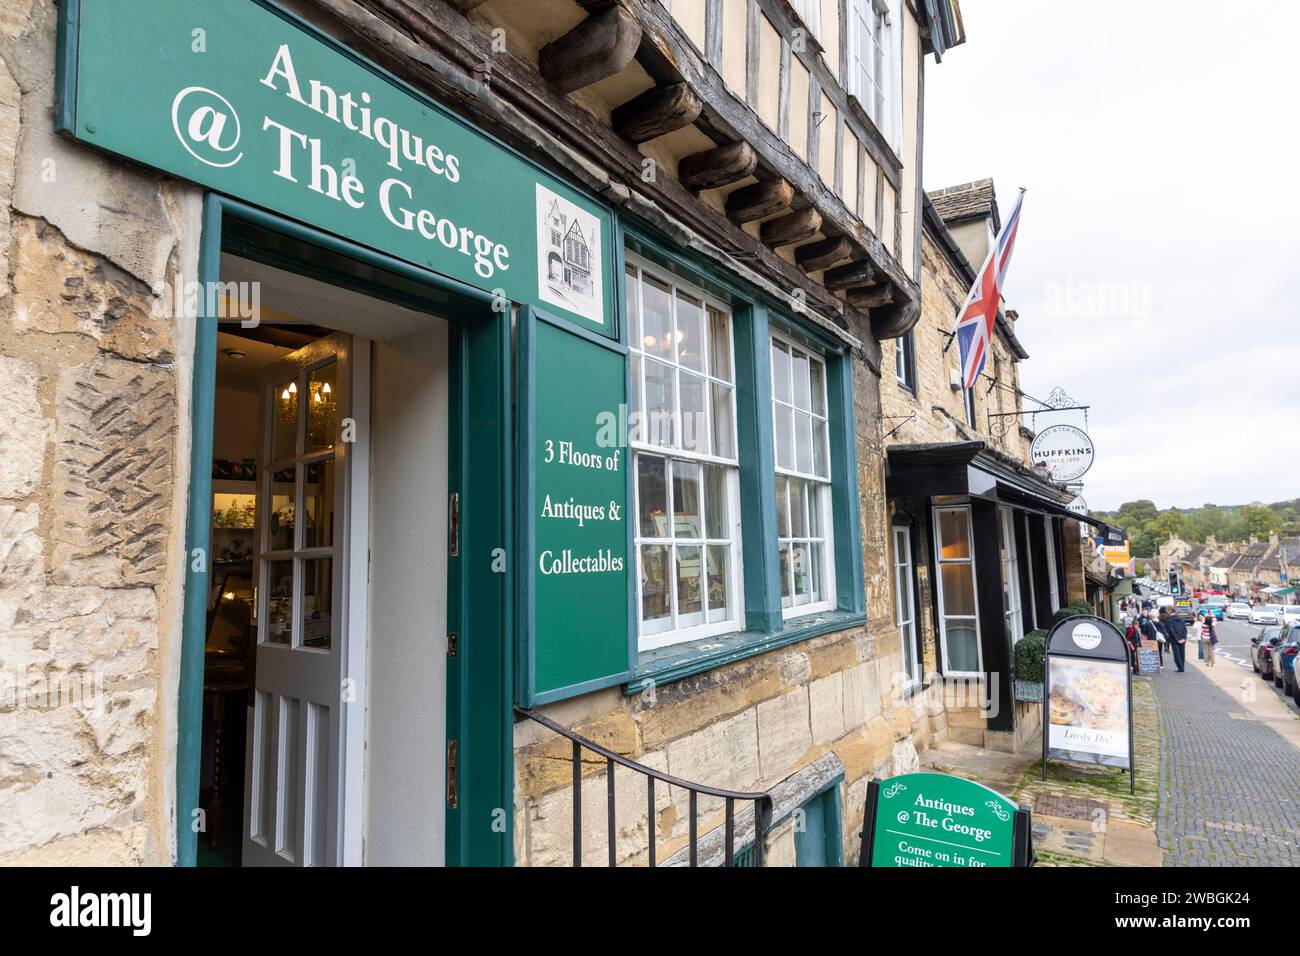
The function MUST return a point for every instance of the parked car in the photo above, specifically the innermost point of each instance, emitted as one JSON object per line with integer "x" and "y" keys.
{"x": 1237, "y": 611}
{"x": 1263, "y": 614}
{"x": 1261, "y": 649}
{"x": 1290, "y": 614}
{"x": 1284, "y": 659}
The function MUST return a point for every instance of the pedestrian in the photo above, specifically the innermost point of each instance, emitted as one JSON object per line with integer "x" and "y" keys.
{"x": 1176, "y": 632}
{"x": 1133, "y": 638}
{"x": 1197, "y": 631}
{"x": 1211, "y": 639}
{"x": 1150, "y": 632}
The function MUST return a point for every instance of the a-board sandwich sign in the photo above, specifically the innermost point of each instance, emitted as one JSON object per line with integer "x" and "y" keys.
{"x": 936, "y": 819}
{"x": 1088, "y": 695}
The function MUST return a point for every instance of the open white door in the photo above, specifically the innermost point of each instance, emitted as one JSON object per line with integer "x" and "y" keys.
{"x": 293, "y": 778}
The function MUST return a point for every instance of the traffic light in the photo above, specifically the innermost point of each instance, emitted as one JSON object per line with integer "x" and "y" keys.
{"x": 1175, "y": 585}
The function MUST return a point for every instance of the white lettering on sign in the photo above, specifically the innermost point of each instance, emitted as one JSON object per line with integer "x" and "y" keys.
{"x": 211, "y": 126}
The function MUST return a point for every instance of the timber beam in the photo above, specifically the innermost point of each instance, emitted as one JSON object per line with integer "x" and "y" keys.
{"x": 792, "y": 227}
{"x": 851, "y": 276}
{"x": 598, "y": 47}
{"x": 870, "y": 298}
{"x": 659, "y": 110}
{"x": 759, "y": 200}
{"x": 824, "y": 253}
{"x": 720, "y": 166}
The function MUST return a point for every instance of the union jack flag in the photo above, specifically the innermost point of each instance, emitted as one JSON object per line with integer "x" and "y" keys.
{"x": 975, "y": 321}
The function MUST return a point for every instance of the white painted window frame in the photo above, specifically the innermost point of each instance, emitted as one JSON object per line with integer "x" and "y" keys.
{"x": 1054, "y": 585}
{"x": 1013, "y": 614}
{"x": 940, "y": 561}
{"x": 905, "y": 604}
{"x": 670, "y": 631}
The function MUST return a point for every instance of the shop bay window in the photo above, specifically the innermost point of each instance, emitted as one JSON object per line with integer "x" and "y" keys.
{"x": 803, "y": 486}
{"x": 958, "y": 622}
{"x": 683, "y": 437}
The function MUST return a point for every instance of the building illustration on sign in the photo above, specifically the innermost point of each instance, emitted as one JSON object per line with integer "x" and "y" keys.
{"x": 568, "y": 256}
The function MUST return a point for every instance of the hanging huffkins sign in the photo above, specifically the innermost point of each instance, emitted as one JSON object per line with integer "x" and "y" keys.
{"x": 245, "y": 98}
{"x": 1088, "y": 695}
{"x": 1066, "y": 451}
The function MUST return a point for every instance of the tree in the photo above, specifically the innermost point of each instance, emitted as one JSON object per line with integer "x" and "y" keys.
{"x": 1137, "y": 512}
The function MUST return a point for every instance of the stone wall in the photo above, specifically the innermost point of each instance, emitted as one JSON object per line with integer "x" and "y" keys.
{"x": 94, "y": 387}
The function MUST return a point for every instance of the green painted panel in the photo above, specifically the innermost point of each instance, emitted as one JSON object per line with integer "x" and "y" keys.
{"x": 245, "y": 98}
{"x": 575, "y": 615}
{"x": 934, "y": 819}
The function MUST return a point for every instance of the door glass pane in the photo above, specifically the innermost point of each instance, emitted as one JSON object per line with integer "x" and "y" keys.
{"x": 661, "y": 405}
{"x": 963, "y": 651}
{"x": 317, "y": 602}
{"x": 284, "y": 421}
{"x": 780, "y": 372}
{"x": 656, "y": 317}
{"x": 715, "y": 501}
{"x": 954, "y": 534}
{"x": 690, "y": 333}
{"x": 690, "y": 596}
{"x": 724, "y": 429}
{"x": 719, "y": 344}
{"x": 958, "y": 589}
{"x": 719, "y": 606}
{"x": 686, "y": 500}
{"x": 695, "y": 424}
{"x": 322, "y": 410}
{"x": 279, "y": 601}
{"x": 784, "y": 436}
{"x": 280, "y": 518}
{"x": 318, "y": 500}
{"x": 652, "y": 495}
{"x": 655, "y": 594}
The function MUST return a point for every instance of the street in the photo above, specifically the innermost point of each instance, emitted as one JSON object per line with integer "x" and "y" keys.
{"x": 1230, "y": 757}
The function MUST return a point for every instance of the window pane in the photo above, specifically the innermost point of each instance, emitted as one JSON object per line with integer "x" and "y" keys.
{"x": 280, "y": 520}
{"x": 954, "y": 534}
{"x": 317, "y": 602}
{"x": 814, "y": 495}
{"x": 717, "y": 577}
{"x": 656, "y": 317}
{"x": 719, "y": 344}
{"x": 686, "y": 499}
{"x": 655, "y": 595}
{"x": 802, "y": 575}
{"x": 690, "y": 333}
{"x": 784, "y": 418}
{"x": 715, "y": 501}
{"x": 780, "y": 372}
{"x": 798, "y": 509}
{"x": 284, "y": 427}
{"x": 815, "y": 572}
{"x": 803, "y": 442}
{"x": 821, "y": 464}
{"x": 661, "y": 404}
{"x": 318, "y": 498}
{"x": 963, "y": 649}
{"x": 635, "y": 425}
{"x": 652, "y": 495}
{"x": 786, "y": 599}
{"x": 958, "y": 589}
{"x": 633, "y": 309}
{"x": 818, "y": 375}
{"x": 279, "y": 602}
{"x": 802, "y": 399}
{"x": 695, "y": 423}
{"x": 909, "y": 662}
{"x": 782, "y": 507}
{"x": 690, "y": 594}
{"x": 322, "y": 407}
{"x": 724, "y": 429}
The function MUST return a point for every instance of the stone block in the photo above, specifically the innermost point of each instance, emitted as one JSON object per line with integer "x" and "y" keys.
{"x": 826, "y": 708}
{"x": 784, "y": 734}
{"x": 24, "y": 431}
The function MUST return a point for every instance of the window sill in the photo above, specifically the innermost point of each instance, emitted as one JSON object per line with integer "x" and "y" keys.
{"x": 666, "y": 664}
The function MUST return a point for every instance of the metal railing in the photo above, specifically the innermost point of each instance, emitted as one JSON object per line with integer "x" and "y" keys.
{"x": 762, "y": 801}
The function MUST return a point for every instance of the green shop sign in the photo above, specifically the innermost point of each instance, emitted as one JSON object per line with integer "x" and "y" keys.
{"x": 575, "y": 598}
{"x": 935, "y": 819}
{"x": 245, "y": 98}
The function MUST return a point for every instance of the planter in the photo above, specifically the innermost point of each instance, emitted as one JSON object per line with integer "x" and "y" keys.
{"x": 1028, "y": 690}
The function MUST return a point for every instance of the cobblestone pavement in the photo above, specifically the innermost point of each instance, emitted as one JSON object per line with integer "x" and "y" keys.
{"x": 1229, "y": 784}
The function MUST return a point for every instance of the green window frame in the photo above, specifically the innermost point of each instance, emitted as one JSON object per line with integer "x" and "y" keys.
{"x": 764, "y": 624}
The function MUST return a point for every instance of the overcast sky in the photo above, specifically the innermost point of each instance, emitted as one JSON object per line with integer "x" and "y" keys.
{"x": 1157, "y": 266}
